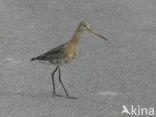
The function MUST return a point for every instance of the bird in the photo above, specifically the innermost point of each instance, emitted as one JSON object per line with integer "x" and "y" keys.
{"x": 64, "y": 54}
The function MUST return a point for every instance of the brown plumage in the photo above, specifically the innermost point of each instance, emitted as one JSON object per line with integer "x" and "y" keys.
{"x": 65, "y": 53}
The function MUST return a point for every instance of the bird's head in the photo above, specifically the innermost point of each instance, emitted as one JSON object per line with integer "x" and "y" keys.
{"x": 84, "y": 26}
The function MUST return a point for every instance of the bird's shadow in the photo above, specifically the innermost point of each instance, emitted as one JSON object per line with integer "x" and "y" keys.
{"x": 28, "y": 94}
{"x": 39, "y": 95}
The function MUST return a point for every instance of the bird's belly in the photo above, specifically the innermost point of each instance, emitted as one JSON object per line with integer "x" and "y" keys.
{"x": 63, "y": 61}
{"x": 58, "y": 62}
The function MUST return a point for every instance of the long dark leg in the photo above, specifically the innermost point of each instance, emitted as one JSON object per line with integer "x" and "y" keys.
{"x": 52, "y": 77}
{"x": 63, "y": 86}
{"x": 62, "y": 82}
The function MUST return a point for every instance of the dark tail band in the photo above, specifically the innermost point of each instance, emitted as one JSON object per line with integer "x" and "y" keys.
{"x": 33, "y": 59}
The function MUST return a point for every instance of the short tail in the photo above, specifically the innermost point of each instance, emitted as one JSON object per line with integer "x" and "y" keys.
{"x": 33, "y": 59}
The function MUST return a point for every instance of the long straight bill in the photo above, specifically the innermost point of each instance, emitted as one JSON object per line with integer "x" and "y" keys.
{"x": 95, "y": 33}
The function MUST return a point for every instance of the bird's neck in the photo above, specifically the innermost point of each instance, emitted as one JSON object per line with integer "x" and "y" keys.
{"x": 76, "y": 37}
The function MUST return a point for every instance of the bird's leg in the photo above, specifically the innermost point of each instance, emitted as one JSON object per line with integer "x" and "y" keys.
{"x": 62, "y": 82}
{"x": 52, "y": 77}
{"x": 63, "y": 86}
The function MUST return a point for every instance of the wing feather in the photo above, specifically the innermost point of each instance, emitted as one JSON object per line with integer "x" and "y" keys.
{"x": 54, "y": 53}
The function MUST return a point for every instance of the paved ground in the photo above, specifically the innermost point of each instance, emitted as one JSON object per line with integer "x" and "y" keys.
{"x": 104, "y": 76}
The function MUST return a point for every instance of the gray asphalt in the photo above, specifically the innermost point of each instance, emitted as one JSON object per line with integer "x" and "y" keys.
{"x": 104, "y": 75}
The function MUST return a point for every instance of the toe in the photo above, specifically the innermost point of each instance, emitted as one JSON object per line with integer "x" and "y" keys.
{"x": 69, "y": 97}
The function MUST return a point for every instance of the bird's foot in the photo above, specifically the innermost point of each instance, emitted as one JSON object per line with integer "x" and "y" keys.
{"x": 55, "y": 94}
{"x": 69, "y": 97}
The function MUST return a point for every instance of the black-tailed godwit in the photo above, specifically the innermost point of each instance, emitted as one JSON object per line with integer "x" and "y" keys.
{"x": 65, "y": 53}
